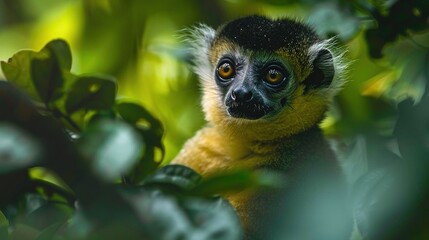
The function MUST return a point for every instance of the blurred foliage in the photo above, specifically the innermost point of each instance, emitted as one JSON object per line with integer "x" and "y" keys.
{"x": 80, "y": 157}
{"x": 102, "y": 152}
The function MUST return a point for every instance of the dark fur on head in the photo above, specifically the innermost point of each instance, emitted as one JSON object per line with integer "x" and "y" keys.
{"x": 261, "y": 33}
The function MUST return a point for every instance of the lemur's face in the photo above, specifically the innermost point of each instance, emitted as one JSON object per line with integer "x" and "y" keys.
{"x": 258, "y": 64}
{"x": 253, "y": 85}
{"x": 258, "y": 74}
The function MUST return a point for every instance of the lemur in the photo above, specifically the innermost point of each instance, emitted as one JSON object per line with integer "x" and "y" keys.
{"x": 267, "y": 84}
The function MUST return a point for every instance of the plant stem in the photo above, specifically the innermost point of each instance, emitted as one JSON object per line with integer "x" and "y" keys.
{"x": 67, "y": 118}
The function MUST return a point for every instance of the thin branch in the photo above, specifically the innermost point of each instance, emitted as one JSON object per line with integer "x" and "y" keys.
{"x": 67, "y": 118}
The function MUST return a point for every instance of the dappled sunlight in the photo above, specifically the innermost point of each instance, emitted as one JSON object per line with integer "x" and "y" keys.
{"x": 64, "y": 22}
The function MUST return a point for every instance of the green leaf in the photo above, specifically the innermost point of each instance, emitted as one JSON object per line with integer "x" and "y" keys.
{"x": 413, "y": 79}
{"x": 4, "y": 225}
{"x": 236, "y": 180}
{"x": 47, "y": 214}
{"x": 139, "y": 116}
{"x": 40, "y": 74}
{"x": 147, "y": 165}
{"x": 79, "y": 226}
{"x": 367, "y": 194}
{"x": 386, "y": 193}
{"x": 18, "y": 149}
{"x": 212, "y": 218}
{"x": 151, "y": 130}
{"x": 91, "y": 92}
{"x": 179, "y": 178}
{"x": 412, "y": 131}
{"x": 102, "y": 114}
{"x": 61, "y": 51}
{"x": 47, "y": 77}
{"x": 17, "y": 71}
{"x": 48, "y": 69}
{"x": 112, "y": 148}
{"x": 174, "y": 176}
{"x": 186, "y": 217}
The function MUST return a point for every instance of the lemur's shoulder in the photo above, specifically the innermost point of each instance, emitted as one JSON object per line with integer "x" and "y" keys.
{"x": 203, "y": 152}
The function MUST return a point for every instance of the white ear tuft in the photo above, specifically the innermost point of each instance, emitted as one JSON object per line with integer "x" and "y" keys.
{"x": 200, "y": 39}
{"x": 332, "y": 65}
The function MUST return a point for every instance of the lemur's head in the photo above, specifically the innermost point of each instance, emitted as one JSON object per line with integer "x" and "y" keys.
{"x": 270, "y": 78}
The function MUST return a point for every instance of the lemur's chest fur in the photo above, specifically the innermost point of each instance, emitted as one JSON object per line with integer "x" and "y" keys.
{"x": 210, "y": 152}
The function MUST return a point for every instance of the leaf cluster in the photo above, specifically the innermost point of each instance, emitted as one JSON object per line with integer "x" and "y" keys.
{"x": 395, "y": 19}
{"x": 395, "y": 183}
{"x": 103, "y": 158}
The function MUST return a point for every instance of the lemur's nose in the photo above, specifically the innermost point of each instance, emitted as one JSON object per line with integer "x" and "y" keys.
{"x": 241, "y": 94}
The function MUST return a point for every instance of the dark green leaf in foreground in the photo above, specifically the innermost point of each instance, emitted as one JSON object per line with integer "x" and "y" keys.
{"x": 17, "y": 71}
{"x": 4, "y": 225}
{"x": 111, "y": 147}
{"x": 138, "y": 115}
{"x": 151, "y": 130}
{"x": 174, "y": 177}
{"x": 91, "y": 92}
{"x": 18, "y": 149}
{"x": 170, "y": 217}
{"x": 47, "y": 214}
{"x": 227, "y": 181}
{"x": 237, "y": 180}
{"x": 412, "y": 131}
{"x": 212, "y": 218}
{"x": 184, "y": 217}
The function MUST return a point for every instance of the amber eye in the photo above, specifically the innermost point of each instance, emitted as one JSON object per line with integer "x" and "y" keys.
{"x": 225, "y": 70}
{"x": 274, "y": 76}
